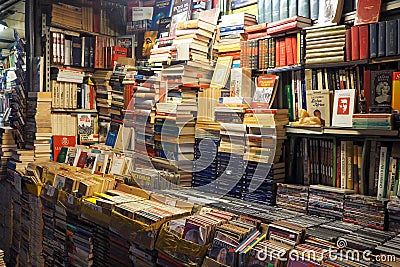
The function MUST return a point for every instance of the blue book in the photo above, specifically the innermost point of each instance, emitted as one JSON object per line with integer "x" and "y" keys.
{"x": 373, "y": 42}
{"x": 381, "y": 38}
{"x": 231, "y": 28}
{"x": 391, "y": 37}
{"x": 268, "y": 10}
{"x": 162, "y": 9}
{"x": 292, "y": 8}
{"x": 275, "y": 10}
{"x": 314, "y": 9}
{"x": 304, "y": 8}
{"x": 261, "y": 11}
{"x": 283, "y": 9}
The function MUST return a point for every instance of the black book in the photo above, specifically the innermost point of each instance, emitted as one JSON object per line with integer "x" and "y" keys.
{"x": 381, "y": 38}
{"x": 391, "y": 37}
{"x": 76, "y": 51}
{"x": 373, "y": 42}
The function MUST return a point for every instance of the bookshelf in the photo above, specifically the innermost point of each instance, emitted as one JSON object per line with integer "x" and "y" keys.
{"x": 341, "y": 131}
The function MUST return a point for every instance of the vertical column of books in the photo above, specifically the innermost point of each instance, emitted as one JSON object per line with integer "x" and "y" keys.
{"x": 207, "y": 140}
{"x": 231, "y": 33}
{"x": 80, "y": 247}
{"x": 147, "y": 94}
{"x": 16, "y": 220}
{"x": 117, "y": 96}
{"x": 231, "y": 148}
{"x": 8, "y": 145}
{"x": 101, "y": 79}
{"x": 264, "y": 151}
{"x": 49, "y": 243}
{"x": 39, "y": 130}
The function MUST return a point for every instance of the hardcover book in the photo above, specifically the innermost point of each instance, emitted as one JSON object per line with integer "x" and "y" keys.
{"x": 381, "y": 91}
{"x": 318, "y": 105}
{"x": 60, "y": 141}
{"x": 343, "y": 108}
{"x": 367, "y": 11}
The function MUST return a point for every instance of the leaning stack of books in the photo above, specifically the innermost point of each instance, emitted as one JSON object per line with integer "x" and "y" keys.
{"x": 292, "y": 197}
{"x": 320, "y": 50}
{"x": 327, "y": 201}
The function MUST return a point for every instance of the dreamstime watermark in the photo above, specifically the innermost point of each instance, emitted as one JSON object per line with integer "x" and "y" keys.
{"x": 340, "y": 253}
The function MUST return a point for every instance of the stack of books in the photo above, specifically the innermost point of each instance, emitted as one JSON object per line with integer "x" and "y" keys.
{"x": 43, "y": 132}
{"x": 21, "y": 158}
{"x": 205, "y": 153}
{"x": 231, "y": 33}
{"x": 292, "y": 197}
{"x": 162, "y": 51}
{"x": 119, "y": 250}
{"x": 7, "y": 146}
{"x": 193, "y": 38}
{"x": 189, "y": 73}
{"x": 60, "y": 235}
{"x": 393, "y": 207}
{"x": 327, "y": 201}
{"x": 49, "y": 242}
{"x": 80, "y": 250}
{"x": 319, "y": 47}
{"x": 2, "y": 262}
{"x": 117, "y": 95}
{"x": 101, "y": 79}
{"x": 366, "y": 211}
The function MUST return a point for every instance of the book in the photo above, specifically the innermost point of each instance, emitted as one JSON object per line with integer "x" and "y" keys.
{"x": 396, "y": 91}
{"x": 383, "y": 170}
{"x": 161, "y": 10}
{"x": 221, "y": 72}
{"x": 60, "y": 141}
{"x": 318, "y": 105}
{"x": 181, "y": 11}
{"x": 367, "y": 11}
{"x": 381, "y": 91}
{"x": 149, "y": 40}
{"x": 265, "y": 92}
{"x": 343, "y": 107}
{"x": 330, "y": 11}
{"x": 240, "y": 82}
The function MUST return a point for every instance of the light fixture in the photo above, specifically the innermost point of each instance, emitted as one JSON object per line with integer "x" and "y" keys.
{"x": 3, "y": 25}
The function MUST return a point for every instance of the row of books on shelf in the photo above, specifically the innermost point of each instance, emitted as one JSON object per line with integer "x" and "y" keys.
{"x": 85, "y": 51}
{"x": 90, "y": 16}
{"x": 68, "y": 95}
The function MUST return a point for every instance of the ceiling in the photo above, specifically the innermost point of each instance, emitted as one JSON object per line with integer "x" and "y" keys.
{"x": 13, "y": 13}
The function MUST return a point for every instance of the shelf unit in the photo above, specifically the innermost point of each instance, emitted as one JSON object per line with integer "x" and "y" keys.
{"x": 341, "y": 131}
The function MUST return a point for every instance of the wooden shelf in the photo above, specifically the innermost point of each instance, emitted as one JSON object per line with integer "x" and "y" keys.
{"x": 337, "y": 64}
{"x": 381, "y": 60}
{"x": 74, "y": 110}
{"x": 341, "y": 131}
{"x": 87, "y": 69}
{"x": 280, "y": 69}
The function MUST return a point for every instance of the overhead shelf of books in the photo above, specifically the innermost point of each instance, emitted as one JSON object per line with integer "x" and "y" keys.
{"x": 341, "y": 131}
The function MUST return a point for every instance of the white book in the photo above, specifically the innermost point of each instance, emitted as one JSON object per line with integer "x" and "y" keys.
{"x": 343, "y": 108}
{"x": 382, "y": 177}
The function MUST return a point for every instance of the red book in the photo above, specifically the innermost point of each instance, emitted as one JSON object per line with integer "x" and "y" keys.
{"x": 363, "y": 32}
{"x": 287, "y": 21}
{"x": 282, "y": 53}
{"x": 367, "y": 11}
{"x": 294, "y": 48}
{"x": 60, "y": 141}
{"x": 256, "y": 28}
{"x": 295, "y": 25}
{"x": 257, "y": 35}
{"x": 91, "y": 99}
{"x": 82, "y": 159}
{"x": 97, "y": 51}
{"x": 289, "y": 51}
{"x": 348, "y": 45}
{"x": 277, "y": 53}
{"x": 355, "y": 46}
{"x": 367, "y": 88}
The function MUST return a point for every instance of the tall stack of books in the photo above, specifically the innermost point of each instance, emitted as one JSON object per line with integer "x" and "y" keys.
{"x": 7, "y": 146}
{"x": 60, "y": 235}
{"x": 327, "y": 201}
{"x": 49, "y": 242}
{"x": 117, "y": 95}
{"x": 320, "y": 50}
{"x": 147, "y": 94}
{"x": 80, "y": 250}
{"x": 101, "y": 79}
{"x": 193, "y": 38}
{"x": 16, "y": 214}
{"x": 231, "y": 33}
{"x": 43, "y": 132}
{"x": 163, "y": 50}
{"x": 205, "y": 153}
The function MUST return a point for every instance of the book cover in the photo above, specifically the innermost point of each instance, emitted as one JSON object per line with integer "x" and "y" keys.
{"x": 382, "y": 174}
{"x": 265, "y": 91}
{"x": 330, "y": 11}
{"x": 367, "y": 11}
{"x": 318, "y": 105}
{"x": 381, "y": 38}
{"x": 76, "y": 51}
{"x": 164, "y": 27}
{"x": 127, "y": 42}
{"x": 391, "y": 38}
{"x": 87, "y": 129}
{"x": 381, "y": 91}
{"x": 396, "y": 91}
{"x": 149, "y": 40}
{"x": 221, "y": 72}
{"x": 162, "y": 10}
{"x": 373, "y": 40}
{"x": 60, "y": 141}
{"x": 181, "y": 11}
{"x": 343, "y": 107}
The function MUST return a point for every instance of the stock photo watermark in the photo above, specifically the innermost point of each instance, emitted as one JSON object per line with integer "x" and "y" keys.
{"x": 340, "y": 253}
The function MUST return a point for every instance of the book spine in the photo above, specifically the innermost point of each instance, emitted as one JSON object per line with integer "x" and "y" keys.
{"x": 381, "y": 39}
{"x": 396, "y": 91}
{"x": 392, "y": 177}
{"x": 283, "y": 9}
{"x": 373, "y": 42}
{"x": 338, "y": 165}
{"x": 261, "y": 10}
{"x": 356, "y": 182}
{"x": 349, "y": 165}
{"x": 355, "y": 46}
{"x": 348, "y": 45}
{"x": 304, "y": 8}
{"x": 391, "y": 38}
{"x": 275, "y": 10}
{"x": 289, "y": 51}
{"x": 382, "y": 172}
{"x": 268, "y": 11}
{"x": 314, "y": 9}
{"x": 292, "y": 8}
{"x": 364, "y": 40}
{"x": 343, "y": 168}
{"x": 282, "y": 53}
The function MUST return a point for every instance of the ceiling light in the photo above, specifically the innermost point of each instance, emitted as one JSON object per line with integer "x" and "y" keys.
{"x": 3, "y": 25}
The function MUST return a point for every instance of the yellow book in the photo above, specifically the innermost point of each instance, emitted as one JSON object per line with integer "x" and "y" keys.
{"x": 396, "y": 91}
